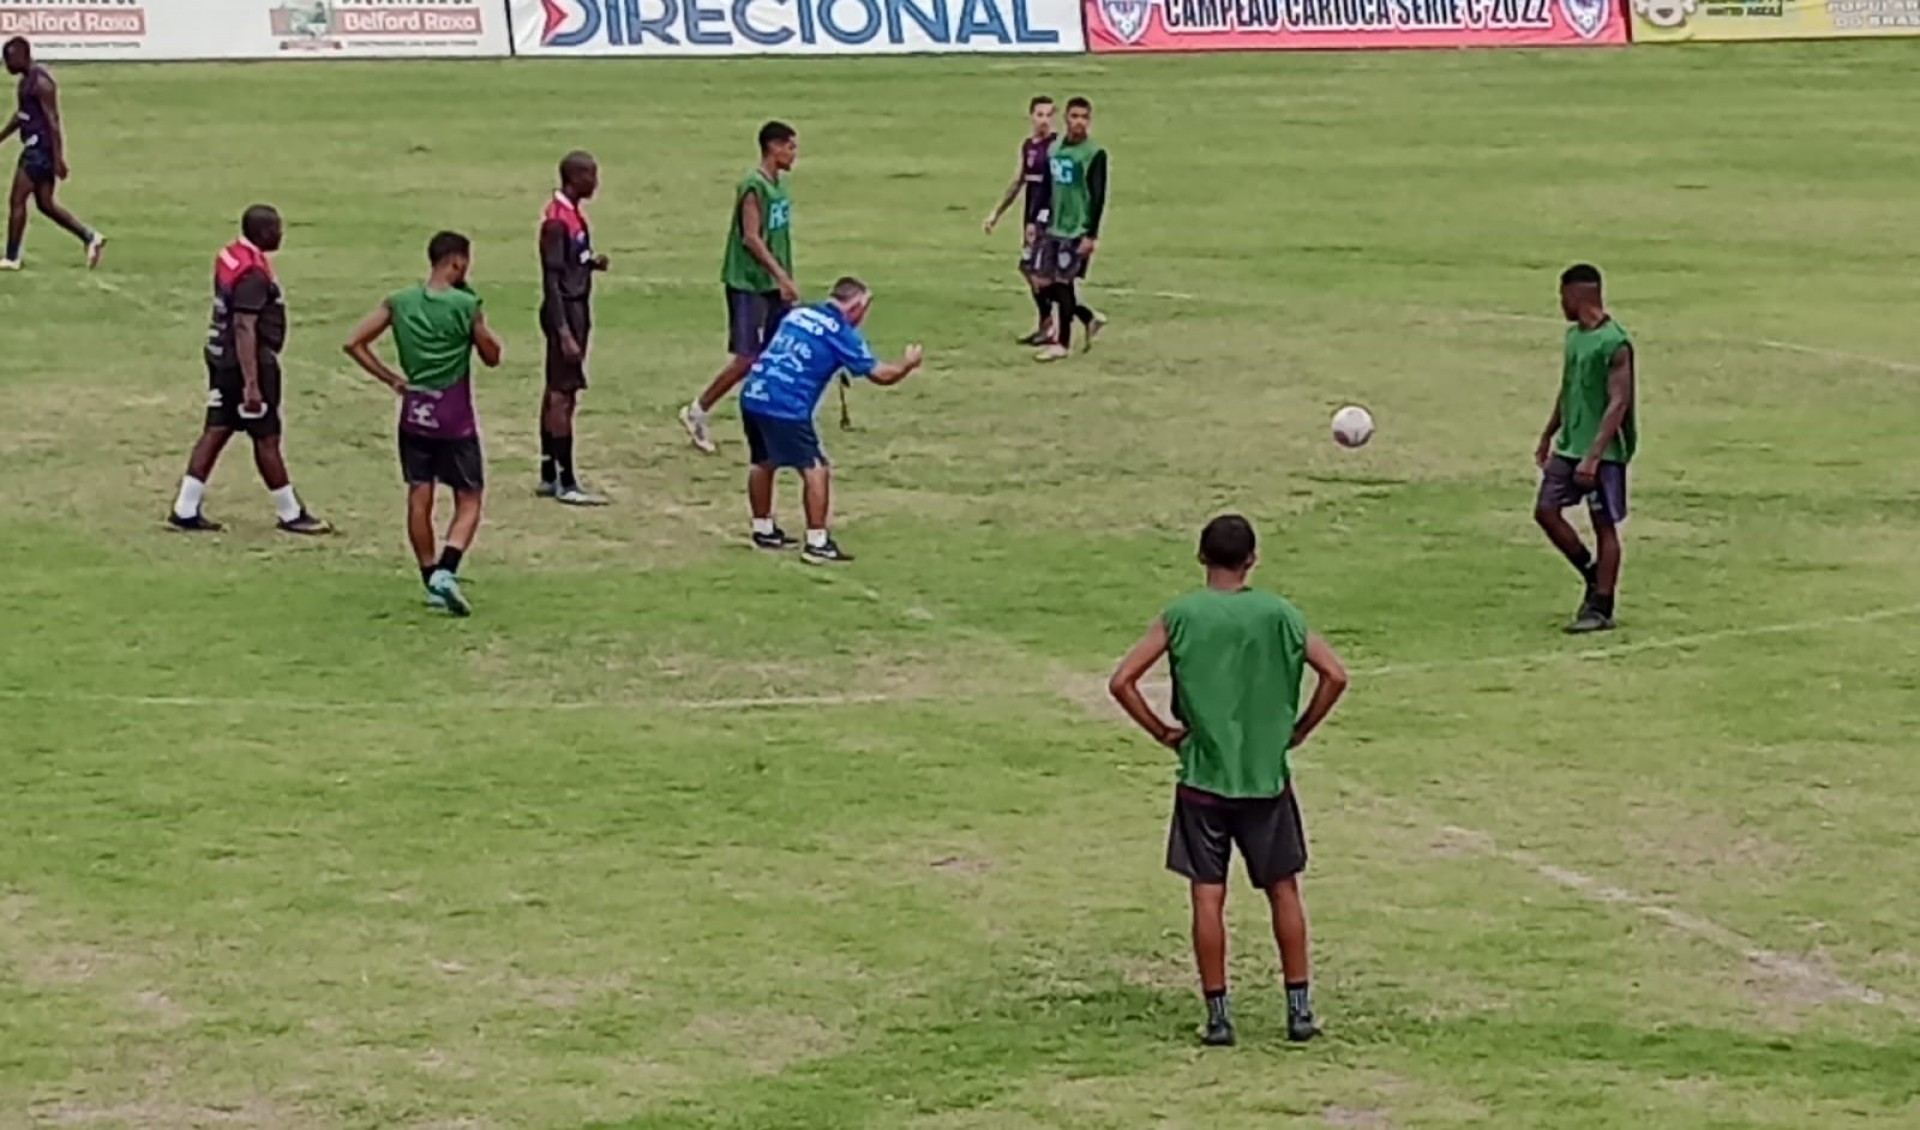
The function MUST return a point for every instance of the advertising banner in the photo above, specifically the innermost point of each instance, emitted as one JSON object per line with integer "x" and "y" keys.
{"x": 256, "y": 29}
{"x": 1307, "y": 25}
{"x": 1681, "y": 21}
{"x": 795, "y": 27}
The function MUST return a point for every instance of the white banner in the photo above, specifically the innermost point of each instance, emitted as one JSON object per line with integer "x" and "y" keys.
{"x": 256, "y": 29}
{"x": 795, "y": 27}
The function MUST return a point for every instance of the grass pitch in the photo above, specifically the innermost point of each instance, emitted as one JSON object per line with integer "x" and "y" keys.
{"x": 672, "y": 835}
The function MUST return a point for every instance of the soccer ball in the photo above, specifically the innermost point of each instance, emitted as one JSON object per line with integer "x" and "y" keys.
{"x": 1352, "y": 426}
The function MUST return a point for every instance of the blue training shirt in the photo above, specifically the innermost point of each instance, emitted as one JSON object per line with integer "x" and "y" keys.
{"x": 811, "y": 345}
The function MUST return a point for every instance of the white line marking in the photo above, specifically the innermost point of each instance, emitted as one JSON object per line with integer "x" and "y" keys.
{"x": 1807, "y": 973}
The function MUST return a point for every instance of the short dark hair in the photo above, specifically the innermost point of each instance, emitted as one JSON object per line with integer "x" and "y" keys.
{"x": 847, "y": 289}
{"x": 1228, "y": 542}
{"x": 17, "y": 43}
{"x": 255, "y": 221}
{"x": 445, "y": 245}
{"x": 1579, "y": 274}
{"x": 1078, "y": 103}
{"x": 1038, "y": 101}
{"x": 773, "y": 133}
{"x": 578, "y": 161}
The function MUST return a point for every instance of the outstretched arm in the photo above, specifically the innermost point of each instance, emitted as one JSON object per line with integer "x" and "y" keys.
{"x": 893, "y": 372}
{"x": 1006, "y": 198}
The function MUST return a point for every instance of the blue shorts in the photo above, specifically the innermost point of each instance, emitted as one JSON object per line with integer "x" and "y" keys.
{"x": 783, "y": 443}
{"x": 37, "y": 163}
{"x": 1606, "y": 502}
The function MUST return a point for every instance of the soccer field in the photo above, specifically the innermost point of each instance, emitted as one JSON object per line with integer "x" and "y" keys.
{"x": 674, "y": 835}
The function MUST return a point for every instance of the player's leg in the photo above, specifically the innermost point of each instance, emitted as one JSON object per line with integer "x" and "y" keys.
{"x": 1274, "y": 841}
{"x": 186, "y": 513}
{"x": 420, "y": 533}
{"x": 1086, "y": 315}
{"x": 816, "y": 499}
{"x": 22, "y": 191}
{"x": 1199, "y": 847}
{"x": 1558, "y": 491}
{"x": 1607, "y": 506}
{"x": 444, "y": 582}
{"x": 747, "y": 314}
{"x": 93, "y": 241}
{"x": 271, "y": 462}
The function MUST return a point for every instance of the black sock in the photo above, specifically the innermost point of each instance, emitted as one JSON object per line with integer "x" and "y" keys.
{"x": 1043, "y": 304}
{"x": 563, "y": 460}
{"x": 546, "y": 455}
{"x": 1603, "y": 604}
{"x": 1084, "y": 313}
{"x": 1063, "y": 318}
{"x": 426, "y": 573}
{"x": 450, "y": 559}
{"x": 1217, "y": 1009}
{"x": 1299, "y": 1001}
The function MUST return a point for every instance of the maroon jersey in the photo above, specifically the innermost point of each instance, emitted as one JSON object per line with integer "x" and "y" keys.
{"x": 440, "y": 413}
{"x": 566, "y": 253}
{"x": 1036, "y": 172}
{"x": 243, "y": 283}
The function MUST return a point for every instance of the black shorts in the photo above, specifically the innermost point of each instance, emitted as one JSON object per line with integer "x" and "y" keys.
{"x": 37, "y": 163}
{"x": 565, "y": 374}
{"x": 458, "y": 463}
{"x": 1606, "y": 502}
{"x": 752, "y": 316}
{"x": 1059, "y": 259}
{"x": 227, "y": 394}
{"x": 1030, "y": 255}
{"x": 1206, "y": 829}
{"x": 782, "y": 443}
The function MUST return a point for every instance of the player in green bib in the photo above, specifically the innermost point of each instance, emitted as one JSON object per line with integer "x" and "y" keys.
{"x": 756, "y": 270}
{"x": 437, "y": 327}
{"x": 1238, "y": 658}
{"x": 1078, "y": 167}
{"x": 1588, "y": 442}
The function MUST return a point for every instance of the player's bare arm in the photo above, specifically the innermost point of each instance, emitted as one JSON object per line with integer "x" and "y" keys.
{"x": 360, "y": 347}
{"x": 893, "y": 372}
{"x": 1331, "y": 681}
{"x": 1096, "y": 203}
{"x": 554, "y": 249}
{"x": 1124, "y": 686}
{"x": 485, "y": 342}
{"x": 1619, "y": 403}
{"x": 757, "y": 247}
{"x": 49, "y": 96}
{"x": 1544, "y": 450}
{"x": 1007, "y": 198}
{"x": 246, "y": 341}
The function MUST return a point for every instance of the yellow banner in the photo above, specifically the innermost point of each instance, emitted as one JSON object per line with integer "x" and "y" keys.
{"x": 1677, "y": 21}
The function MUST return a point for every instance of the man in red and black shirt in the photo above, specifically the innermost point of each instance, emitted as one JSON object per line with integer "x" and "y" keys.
{"x": 248, "y": 331}
{"x": 567, "y": 266}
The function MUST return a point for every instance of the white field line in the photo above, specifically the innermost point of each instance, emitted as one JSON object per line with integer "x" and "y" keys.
{"x": 1811, "y": 975}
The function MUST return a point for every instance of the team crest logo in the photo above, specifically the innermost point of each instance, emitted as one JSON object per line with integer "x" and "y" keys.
{"x": 1127, "y": 19}
{"x": 1665, "y": 14}
{"x": 1589, "y": 17}
{"x": 422, "y": 414}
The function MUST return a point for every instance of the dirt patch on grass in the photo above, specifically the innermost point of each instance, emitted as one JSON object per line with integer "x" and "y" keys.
{"x": 1356, "y": 1119}
{"x": 766, "y": 1042}
{"x": 158, "y": 1114}
{"x": 962, "y": 866}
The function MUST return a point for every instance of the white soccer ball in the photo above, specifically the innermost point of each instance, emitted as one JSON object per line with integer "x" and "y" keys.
{"x": 1352, "y": 426}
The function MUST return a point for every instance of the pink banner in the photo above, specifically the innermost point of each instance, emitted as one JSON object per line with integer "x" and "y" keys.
{"x": 1306, "y": 25}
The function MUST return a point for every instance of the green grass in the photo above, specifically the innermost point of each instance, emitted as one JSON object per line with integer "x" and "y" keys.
{"x": 282, "y": 849}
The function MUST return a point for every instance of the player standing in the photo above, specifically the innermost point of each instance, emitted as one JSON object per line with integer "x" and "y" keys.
{"x": 43, "y": 156}
{"x": 757, "y": 271}
{"x": 1588, "y": 442}
{"x": 567, "y": 266}
{"x": 782, "y": 392}
{"x": 1032, "y": 173}
{"x": 1238, "y": 657}
{"x": 437, "y": 326}
{"x": 248, "y": 331}
{"x": 1078, "y": 203}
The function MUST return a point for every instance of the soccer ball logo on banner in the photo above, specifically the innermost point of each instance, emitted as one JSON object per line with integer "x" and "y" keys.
{"x": 1665, "y": 13}
{"x": 1126, "y": 19}
{"x": 1589, "y": 17}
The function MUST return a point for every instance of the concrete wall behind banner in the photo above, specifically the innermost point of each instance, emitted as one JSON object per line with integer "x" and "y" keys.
{"x": 258, "y": 29}
{"x": 795, "y": 27}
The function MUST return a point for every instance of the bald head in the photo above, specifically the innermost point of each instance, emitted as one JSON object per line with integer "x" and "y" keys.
{"x": 579, "y": 174}
{"x": 261, "y": 226}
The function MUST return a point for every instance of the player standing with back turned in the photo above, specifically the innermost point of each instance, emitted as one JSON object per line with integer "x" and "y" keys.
{"x": 757, "y": 271}
{"x": 1238, "y": 658}
{"x": 43, "y": 156}
{"x": 567, "y": 266}
{"x": 1078, "y": 203}
{"x": 1033, "y": 174}
{"x": 1588, "y": 441}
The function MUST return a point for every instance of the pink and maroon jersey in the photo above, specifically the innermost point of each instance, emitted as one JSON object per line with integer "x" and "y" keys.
{"x": 566, "y": 251}
{"x": 1037, "y": 174}
{"x": 244, "y": 283}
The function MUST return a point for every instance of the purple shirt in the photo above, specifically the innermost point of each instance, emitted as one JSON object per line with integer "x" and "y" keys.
{"x": 1037, "y": 173}
{"x": 445, "y": 413}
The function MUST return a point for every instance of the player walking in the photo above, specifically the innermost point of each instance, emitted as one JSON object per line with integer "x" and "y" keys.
{"x": 248, "y": 331}
{"x": 43, "y": 156}
{"x": 1032, "y": 172}
{"x": 567, "y": 266}
{"x": 437, "y": 327}
{"x": 782, "y": 392}
{"x": 757, "y": 271}
{"x": 1588, "y": 442}
{"x": 1238, "y": 657}
{"x": 1078, "y": 165}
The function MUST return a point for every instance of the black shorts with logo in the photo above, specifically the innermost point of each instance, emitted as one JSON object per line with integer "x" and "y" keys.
{"x": 1206, "y": 829}
{"x": 458, "y": 463}
{"x": 1059, "y": 259}
{"x": 752, "y": 316}
{"x": 37, "y": 162}
{"x": 227, "y": 394}
{"x": 565, "y": 374}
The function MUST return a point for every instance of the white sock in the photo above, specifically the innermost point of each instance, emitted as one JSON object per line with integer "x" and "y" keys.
{"x": 763, "y": 527}
{"x": 696, "y": 412}
{"x": 192, "y": 490}
{"x": 286, "y": 504}
{"x": 816, "y": 539}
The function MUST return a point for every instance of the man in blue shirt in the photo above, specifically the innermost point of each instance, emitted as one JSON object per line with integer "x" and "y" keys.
{"x": 778, "y": 400}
